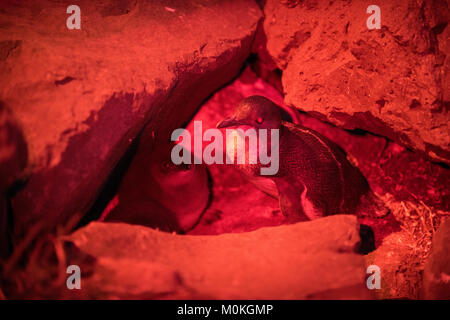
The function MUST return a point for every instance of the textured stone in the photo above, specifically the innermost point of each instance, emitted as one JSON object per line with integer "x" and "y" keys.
{"x": 436, "y": 275}
{"x": 393, "y": 81}
{"x": 82, "y": 96}
{"x": 400, "y": 271}
{"x": 305, "y": 260}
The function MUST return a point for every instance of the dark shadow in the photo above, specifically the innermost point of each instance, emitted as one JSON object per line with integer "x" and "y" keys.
{"x": 367, "y": 242}
{"x": 111, "y": 185}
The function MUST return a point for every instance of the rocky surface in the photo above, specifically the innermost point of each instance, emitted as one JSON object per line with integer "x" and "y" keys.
{"x": 437, "y": 270}
{"x": 305, "y": 260}
{"x": 399, "y": 266}
{"x": 392, "y": 81}
{"x": 82, "y": 96}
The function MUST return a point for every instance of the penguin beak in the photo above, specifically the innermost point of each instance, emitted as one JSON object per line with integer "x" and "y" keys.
{"x": 230, "y": 122}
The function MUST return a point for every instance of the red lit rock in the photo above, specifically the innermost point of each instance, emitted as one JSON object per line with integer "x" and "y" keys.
{"x": 436, "y": 275}
{"x": 399, "y": 267}
{"x": 393, "y": 81}
{"x": 81, "y": 96}
{"x": 301, "y": 261}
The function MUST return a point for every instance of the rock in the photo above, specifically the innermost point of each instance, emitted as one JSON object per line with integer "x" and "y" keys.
{"x": 392, "y": 82}
{"x": 400, "y": 268}
{"x": 82, "y": 96}
{"x": 306, "y": 260}
{"x": 436, "y": 276}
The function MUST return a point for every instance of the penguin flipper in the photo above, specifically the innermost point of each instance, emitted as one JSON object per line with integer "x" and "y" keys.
{"x": 290, "y": 200}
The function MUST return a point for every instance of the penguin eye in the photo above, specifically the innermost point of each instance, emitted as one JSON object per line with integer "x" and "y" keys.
{"x": 259, "y": 120}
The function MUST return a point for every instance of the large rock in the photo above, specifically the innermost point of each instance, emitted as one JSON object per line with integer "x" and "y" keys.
{"x": 302, "y": 261}
{"x": 82, "y": 96}
{"x": 400, "y": 267}
{"x": 393, "y": 81}
{"x": 436, "y": 276}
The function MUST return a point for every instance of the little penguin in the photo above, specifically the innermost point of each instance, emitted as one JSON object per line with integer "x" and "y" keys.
{"x": 159, "y": 194}
{"x": 314, "y": 178}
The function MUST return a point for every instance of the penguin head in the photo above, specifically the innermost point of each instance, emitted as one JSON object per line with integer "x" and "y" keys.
{"x": 254, "y": 111}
